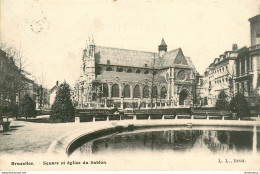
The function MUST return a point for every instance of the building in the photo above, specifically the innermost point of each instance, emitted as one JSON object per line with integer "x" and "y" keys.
{"x": 199, "y": 90}
{"x": 219, "y": 76}
{"x": 53, "y": 92}
{"x": 8, "y": 80}
{"x": 236, "y": 71}
{"x": 15, "y": 84}
{"x": 248, "y": 66}
{"x": 135, "y": 79}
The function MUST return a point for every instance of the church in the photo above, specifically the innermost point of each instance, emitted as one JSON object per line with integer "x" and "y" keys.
{"x": 122, "y": 78}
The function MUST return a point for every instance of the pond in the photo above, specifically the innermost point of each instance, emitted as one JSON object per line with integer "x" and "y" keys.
{"x": 213, "y": 140}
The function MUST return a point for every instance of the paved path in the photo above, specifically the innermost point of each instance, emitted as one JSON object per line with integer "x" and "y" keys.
{"x": 31, "y": 137}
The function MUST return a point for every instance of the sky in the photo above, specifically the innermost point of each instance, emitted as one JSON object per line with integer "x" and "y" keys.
{"x": 52, "y": 34}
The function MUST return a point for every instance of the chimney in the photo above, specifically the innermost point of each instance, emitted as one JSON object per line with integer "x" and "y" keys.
{"x": 57, "y": 83}
{"x": 234, "y": 47}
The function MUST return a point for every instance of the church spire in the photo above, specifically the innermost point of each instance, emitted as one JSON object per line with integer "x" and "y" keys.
{"x": 87, "y": 44}
{"x": 92, "y": 42}
{"x": 163, "y": 42}
{"x": 162, "y": 48}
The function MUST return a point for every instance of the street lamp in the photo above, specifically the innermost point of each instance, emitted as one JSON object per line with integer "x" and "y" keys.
{"x": 195, "y": 90}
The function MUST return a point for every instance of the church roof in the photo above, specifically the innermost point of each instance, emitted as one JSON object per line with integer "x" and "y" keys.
{"x": 123, "y": 57}
{"x": 129, "y": 77}
{"x": 190, "y": 63}
{"x": 133, "y": 58}
{"x": 169, "y": 58}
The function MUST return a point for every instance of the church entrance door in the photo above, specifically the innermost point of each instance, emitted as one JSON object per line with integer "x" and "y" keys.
{"x": 183, "y": 95}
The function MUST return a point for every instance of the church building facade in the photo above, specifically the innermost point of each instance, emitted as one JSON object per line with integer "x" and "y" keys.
{"x": 114, "y": 77}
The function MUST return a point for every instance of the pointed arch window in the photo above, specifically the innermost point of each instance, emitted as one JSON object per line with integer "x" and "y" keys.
{"x": 129, "y": 70}
{"x": 105, "y": 90}
{"x": 127, "y": 91}
{"x": 146, "y": 92}
{"x": 155, "y": 92}
{"x": 136, "y": 91}
{"x": 163, "y": 92}
{"x": 115, "y": 90}
{"x": 138, "y": 71}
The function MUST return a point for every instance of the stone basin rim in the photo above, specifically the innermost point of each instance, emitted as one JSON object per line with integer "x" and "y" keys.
{"x": 63, "y": 143}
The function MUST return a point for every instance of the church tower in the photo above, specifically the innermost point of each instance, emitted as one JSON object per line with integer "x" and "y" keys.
{"x": 162, "y": 48}
{"x": 87, "y": 73}
{"x": 89, "y": 62}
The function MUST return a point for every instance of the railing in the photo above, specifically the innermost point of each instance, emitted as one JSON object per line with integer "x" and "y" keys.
{"x": 205, "y": 116}
{"x": 155, "y": 106}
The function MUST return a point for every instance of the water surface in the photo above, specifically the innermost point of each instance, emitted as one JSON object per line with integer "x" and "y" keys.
{"x": 191, "y": 140}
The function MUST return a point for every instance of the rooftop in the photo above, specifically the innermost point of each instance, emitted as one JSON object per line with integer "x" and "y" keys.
{"x": 134, "y": 58}
{"x": 254, "y": 19}
{"x": 123, "y": 57}
{"x": 123, "y": 76}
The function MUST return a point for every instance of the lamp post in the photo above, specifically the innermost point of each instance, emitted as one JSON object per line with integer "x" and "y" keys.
{"x": 194, "y": 98}
{"x": 41, "y": 97}
{"x": 1, "y": 104}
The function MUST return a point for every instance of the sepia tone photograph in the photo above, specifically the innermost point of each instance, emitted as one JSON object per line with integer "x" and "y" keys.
{"x": 119, "y": 85}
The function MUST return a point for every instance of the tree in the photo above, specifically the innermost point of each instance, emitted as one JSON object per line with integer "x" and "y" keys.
{"x": 154, "y": 64}
{"x": 15, "y": 73}
{"x": 222, "y": 102}
{"x": 27, "y": 108}
{"x": 40, "y": 95}
{"x": 62, "y": 107}
{"x": 152, "y": 81}
{"x": 240, "y": 106}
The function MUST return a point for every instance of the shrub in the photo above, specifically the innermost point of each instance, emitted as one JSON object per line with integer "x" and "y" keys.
{"x": 222, "y": 102}
{"x": 240, "y": 106}
{"x": 62, "y": 108}
{"x": 27, "y": 108}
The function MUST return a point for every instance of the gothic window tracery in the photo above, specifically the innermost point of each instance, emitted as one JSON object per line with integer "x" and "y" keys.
{"x": 105, "y": 90}
{"x": 155, "y": 92}
{"x": 127, "y": 91}
{"x": 129, "y": 70}
{"x": 163, "y": 92}
{"x": 146, "y": 92}
{"x": 138, "y": 71}
{"x": 115, "y": 90}
{"x": 136, "y": 91}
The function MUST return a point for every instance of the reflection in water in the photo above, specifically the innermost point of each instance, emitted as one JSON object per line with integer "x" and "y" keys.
{"x": 174, "y": 140}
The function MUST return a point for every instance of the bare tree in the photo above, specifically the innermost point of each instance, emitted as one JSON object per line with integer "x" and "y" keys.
{"x": 154, "y": 64}
{"x": 41, "y": 91}
{"x": 16, "y": 73}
